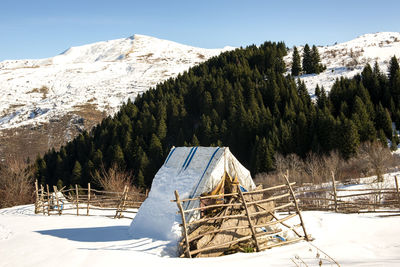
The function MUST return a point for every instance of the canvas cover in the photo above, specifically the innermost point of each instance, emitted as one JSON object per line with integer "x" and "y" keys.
{"x": 191, "y": 171}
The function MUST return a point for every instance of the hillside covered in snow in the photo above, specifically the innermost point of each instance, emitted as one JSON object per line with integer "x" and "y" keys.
{"x": 76, "y": 89}
{"x": 349, "y": 58}
{"x": 103, "y": 74}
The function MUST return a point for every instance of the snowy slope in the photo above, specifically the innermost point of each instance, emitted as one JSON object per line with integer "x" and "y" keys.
{"x": 102, "y": 74}
{"x": 349, "y": 58}
{"x": 27, "y": 239}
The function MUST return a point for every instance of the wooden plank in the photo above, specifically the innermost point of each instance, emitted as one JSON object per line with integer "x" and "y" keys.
{"x": 253, "y": 231}
{"x": 185, "y": 233}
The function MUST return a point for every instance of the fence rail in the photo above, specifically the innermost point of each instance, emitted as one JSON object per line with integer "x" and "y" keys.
{"x": 348, "y": 200}
{"x": 81, "y": 201}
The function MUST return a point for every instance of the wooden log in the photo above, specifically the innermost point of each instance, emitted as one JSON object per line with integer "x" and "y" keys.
{"x": 42, "y": 198}
{"x": 48, "y": 200}
{"x": 185, "y": 233}
{"x": 283, "y": 243}
{"x": 88, "y": 202}
{"x": 253, "y": 231}
{"x": 118, "y": 212}
{"x": 267, "y": 189}
{"x": 77, "y": 199}
{"x": 233, "y": 194}
{"x": 57, "y": 200}
{"x": 334, "y": 190}
{"x": 37, "y": 197}
{"x": 397, "y": 189}
{"x": 296, "y": 205}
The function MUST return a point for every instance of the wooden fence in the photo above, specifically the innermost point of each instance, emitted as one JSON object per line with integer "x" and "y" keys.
{"x": 346, "y": 200}
{"x": 86, "y": 201}
{"x": 258, "y": 233}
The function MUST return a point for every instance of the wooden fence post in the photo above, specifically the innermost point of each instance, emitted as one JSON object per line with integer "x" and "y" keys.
{"x": 58, "y": 202}
{"x": 77, "y": 199}
{"x": 334, "y": 191}
{"x": 178, "y": 202}
{"x": 48, "y": 200}
{"x": 88, "y": 202}
{"x": 253, "y": 231}
{"x": 118, "y": 212}
{"x": 42, "y": 198}
{"x": 296, "y": 205}
{"x": 397, "y": 190}
{"x": 37, "y": 197}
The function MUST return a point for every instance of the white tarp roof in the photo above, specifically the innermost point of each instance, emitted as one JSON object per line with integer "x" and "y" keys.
{"x": 192, "y": 171}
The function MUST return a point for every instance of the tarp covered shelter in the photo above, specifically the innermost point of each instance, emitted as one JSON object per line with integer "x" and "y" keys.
{"x": 193, "y": 171}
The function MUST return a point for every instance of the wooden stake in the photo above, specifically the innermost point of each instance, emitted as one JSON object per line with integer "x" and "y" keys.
{"x": 48, "y": 200}
{"x": 334, "y": 191}
{"x": 178, "y": 202}
{"x": 249, "y": 219}
{"x": 77, "y": 199}
{"x": 88, "y": 202}
{"x": 58, "y": 202}
{"x": 42, "y": 198}
{"x": 397, "y": 190}
{"x": 296, "y": 205}
{"x": 117, "y": 212}
{"x": 37, "y": 197}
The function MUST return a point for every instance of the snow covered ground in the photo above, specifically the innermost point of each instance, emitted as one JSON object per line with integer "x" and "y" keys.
{"x": 27, "y": 239}
{"x": 349, "y": 58}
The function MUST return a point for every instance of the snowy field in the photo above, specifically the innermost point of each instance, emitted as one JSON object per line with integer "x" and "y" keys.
{"x": 27, "y": 239}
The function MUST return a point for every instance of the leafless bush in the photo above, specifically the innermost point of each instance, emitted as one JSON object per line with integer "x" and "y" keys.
{"x": 377, "y": 156}
{"x": 114, "y": 179}
{"x": 16, "y": 184}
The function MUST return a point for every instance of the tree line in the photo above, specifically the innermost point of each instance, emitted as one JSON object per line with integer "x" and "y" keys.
{"x": 241, "y": 99}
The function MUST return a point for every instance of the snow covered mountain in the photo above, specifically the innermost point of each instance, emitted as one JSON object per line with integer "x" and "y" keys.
{"x": 46, "y": 102}
{"x": 103, "y": 74}
{"x": 349, "y": 58}
{"x": 79, "y": 87}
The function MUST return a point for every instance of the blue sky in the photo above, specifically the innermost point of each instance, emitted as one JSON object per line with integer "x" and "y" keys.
{"x": 37, "y": 29}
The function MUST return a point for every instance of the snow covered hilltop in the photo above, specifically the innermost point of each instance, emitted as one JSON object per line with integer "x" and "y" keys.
{"x": 103, "y": 74}
{"x": 349, "y": 58}
{"x": 47, "y": 101}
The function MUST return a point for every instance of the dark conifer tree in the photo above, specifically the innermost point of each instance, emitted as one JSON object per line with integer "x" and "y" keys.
{"x": 296, "y": 67}
{"x": 307, "y": 60}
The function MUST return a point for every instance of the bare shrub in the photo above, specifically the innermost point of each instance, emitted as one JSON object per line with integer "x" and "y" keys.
{"x": 114, "y": 179}
{"x": 377, "y": 156}
{"x": 16, "y": 184}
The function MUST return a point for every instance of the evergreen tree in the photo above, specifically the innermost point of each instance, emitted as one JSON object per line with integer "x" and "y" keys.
{"x": 393, "y": 68}
{"x": 76, "y": 173}
{"x": 316, "y": 67}
{"x": 307, "y": 60}
{"x": 296, "y": 67}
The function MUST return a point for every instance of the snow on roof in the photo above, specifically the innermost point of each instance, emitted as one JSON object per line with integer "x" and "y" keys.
{"x": 191, "y": 171}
